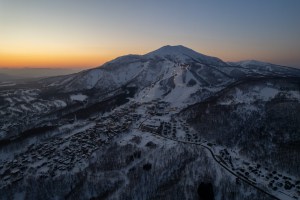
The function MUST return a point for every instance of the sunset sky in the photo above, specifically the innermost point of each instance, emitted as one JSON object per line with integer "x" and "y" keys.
{"x": 87, "y": 33}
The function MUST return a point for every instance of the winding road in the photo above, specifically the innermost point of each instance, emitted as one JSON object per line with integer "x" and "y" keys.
{"x": 222, "y": 165}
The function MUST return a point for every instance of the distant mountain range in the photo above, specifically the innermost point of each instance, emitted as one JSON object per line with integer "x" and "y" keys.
{"x": 6, "y": 77}
{"x": 170, "y": 124}
{"x": 9, "y": 74}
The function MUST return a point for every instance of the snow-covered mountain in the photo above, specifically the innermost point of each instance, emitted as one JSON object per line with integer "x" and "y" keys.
{"x": 135, "y": 67}
{"x": 169, "y": 124}
{"x": 167, "y": 73}
{"x": 174, "y": 74}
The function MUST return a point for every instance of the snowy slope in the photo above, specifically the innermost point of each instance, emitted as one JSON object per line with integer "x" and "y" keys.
{"x": 125, "y": 68}
{"x": 263, "y": 68}
{"x": 168, "y": 72}
{"x": 172, "y": 73}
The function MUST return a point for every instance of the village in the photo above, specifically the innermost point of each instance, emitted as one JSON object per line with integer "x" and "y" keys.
{"x": 68, "y": 152}
{"x": 255, "y": 174}
{"x": 71, "y": 152}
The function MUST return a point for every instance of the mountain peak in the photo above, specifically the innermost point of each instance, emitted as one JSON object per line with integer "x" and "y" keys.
{"x": 173, "y": 50}
{"x": 183, "y": 54}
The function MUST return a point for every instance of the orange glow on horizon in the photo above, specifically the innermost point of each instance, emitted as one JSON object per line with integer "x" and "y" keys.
{"x": 87, "y": 60}
{"x": 86, "y": 35}
{"x": 17, "y": 56}
{"x": 22, "y": 60}
{"x": 52, "y": 60}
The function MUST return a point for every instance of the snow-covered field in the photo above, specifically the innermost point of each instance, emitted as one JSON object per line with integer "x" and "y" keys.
{"x": 78, "y": 97}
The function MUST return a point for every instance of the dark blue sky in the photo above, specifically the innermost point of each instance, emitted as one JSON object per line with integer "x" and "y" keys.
{"x": 97, "y": 30}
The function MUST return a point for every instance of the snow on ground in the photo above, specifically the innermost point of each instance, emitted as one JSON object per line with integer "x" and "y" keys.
{"x": 268, "y": 93}
{"x": 181, "y": 93}
{"x": 257, "y": 93}
{"x": 9, "y": 100}
{"x": 76, "y": 127}
{"x": 92, "y": 77}
{"x": 239, "y": 96}
{"x": 59, "y": 82}
{"x": 121, "y": 76}
{"x": 246, "y": 63}
{"x": 189, "y": 76}
{"x": 151, "y": 93}
{"x": 14, "y": 109}
{"x": 25, "y": 108}
{"x": 78, "y": 97}
{"x": 60, "y": 103}
{"x": 145, "y": 138}
{"x": 179, "y": 96}
{"x": 17, "y": 99}
{"x": 7, "y": 84}
{"x": 28, "y": 99}
{"x": 37, "y": 107}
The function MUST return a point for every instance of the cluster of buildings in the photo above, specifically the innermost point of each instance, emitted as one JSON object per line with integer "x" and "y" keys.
{"x": 62, "y": 154}
{"x": 158, "y": 108}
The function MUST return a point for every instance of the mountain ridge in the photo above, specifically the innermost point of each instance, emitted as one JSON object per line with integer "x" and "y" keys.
{"x": 175, "y": 54}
